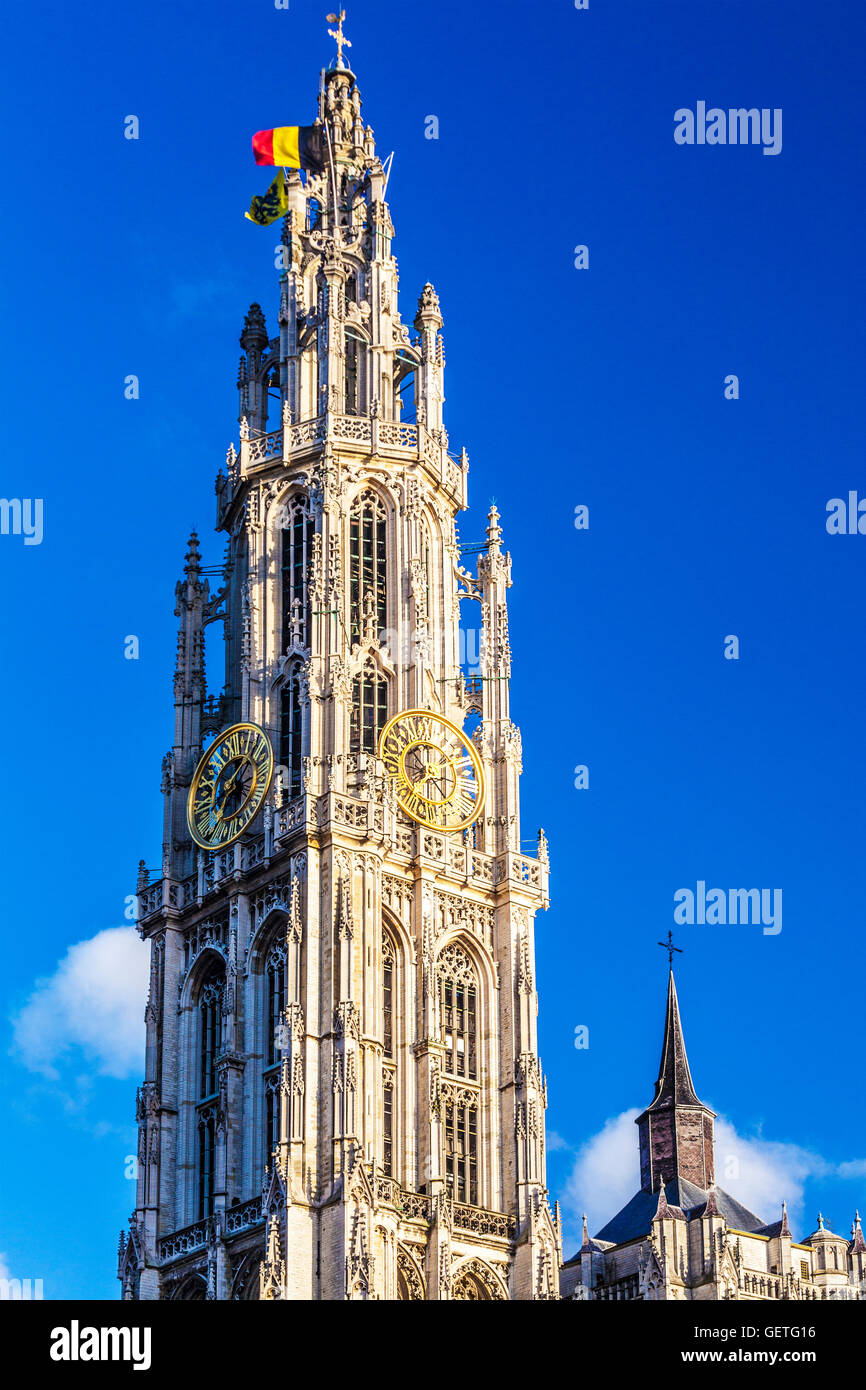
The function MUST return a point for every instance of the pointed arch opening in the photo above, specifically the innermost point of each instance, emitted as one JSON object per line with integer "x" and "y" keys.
{"x": 292, "y": 731}
{"x": 209, "y": 1001}
{"x": 275, "y": 1042}
{"x": 405, "y": 392}
{"x": 369, "y": 708}
{"x": 296, "y": 555}
{"x": 368, "y": 569}
{"x": 458, "y": 997}
{"x": 389, "y": 996}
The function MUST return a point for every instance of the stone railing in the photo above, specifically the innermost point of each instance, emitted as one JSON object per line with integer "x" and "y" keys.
{"x": 267, "y": 446}
{"x": 244, "y": 1217}
{"x": 411, "y": 1206}
{"x": 150, "y": 899}
{"x": 369, "y": 433}
{"x": 414, "y": 1206}
{"x": 484, "y": 1223}
{"x": 288, "y": 818}
{"x": 186, "y": 1240}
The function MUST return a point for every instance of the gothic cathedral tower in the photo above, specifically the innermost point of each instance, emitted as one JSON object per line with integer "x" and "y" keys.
{"x": 343, "y": 1097}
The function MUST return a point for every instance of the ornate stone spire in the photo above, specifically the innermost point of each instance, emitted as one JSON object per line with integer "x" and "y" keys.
{"x": 494, "y": 530}
{"x": 193, "y": 557}
{"x": 858, "y": 1243}
{"x": 676, "y": 1129}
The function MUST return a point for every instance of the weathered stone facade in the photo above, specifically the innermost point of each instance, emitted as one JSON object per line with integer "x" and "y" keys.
{"x": 353, "y": 1131}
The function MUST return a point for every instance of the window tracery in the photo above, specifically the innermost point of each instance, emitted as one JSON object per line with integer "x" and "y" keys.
{"x": 297, "y": 546}
{"x": 210, "y": 1000}
{"x": 291, "y": 731}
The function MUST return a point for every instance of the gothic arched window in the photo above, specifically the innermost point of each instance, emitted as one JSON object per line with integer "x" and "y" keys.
{"x": 271, "y": 395}
{"x": 354, "y": 357}
{"x": 426, "y": 565}
{"x": 290, "y": 731}
{"x": 388, "y": 1127}
{"x": 369, "y": 709}
{"x": 210, "y": 1004}
{"x": 458, "y": 998}
{"x": 461, "y": 1150}
{"x": 389, "y": 1069}
{"x": 210, "y": 1018}
{"x": 367, "y": 566}
{"x": 388, "y": 964}
{"x": 296, "y": 554}
{"x": 275, "y": 1003}
{"x": 404, "y": 388}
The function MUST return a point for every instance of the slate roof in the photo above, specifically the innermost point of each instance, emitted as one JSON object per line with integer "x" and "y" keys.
{"x": 636, "y": 1218}
{"x": 774, "y": 1229}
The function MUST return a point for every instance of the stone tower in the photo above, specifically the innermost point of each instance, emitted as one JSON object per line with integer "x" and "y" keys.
{"x": 343, "y": 1097}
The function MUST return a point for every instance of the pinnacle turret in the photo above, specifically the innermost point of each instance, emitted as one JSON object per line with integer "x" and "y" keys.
{"x": 193, "y": 558}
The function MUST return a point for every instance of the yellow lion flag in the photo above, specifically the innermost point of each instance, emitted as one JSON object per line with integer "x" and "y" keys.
{"x": 271, "y": 205}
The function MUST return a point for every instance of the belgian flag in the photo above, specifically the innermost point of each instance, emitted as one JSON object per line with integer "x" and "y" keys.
{"x": 271, "y": 205}
{"x": 292, "y": 146}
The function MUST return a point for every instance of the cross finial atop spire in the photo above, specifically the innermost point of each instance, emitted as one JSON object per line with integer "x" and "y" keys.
{"x": 342, "y": 41}
{"x": 670, "y": 948}
{"x": 585, "y": 1241}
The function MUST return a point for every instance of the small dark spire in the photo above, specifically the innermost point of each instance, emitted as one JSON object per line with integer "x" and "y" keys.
{"x": 664, "y": 1212}
{"x": 858, "y": 1243}
{"x": 585, "y": 1245}
{"x": 786, "y": 1229}
{"x": 712, "y": 1206}
{"x": 255, "y": 333}
{"x": 674, "y": 1085}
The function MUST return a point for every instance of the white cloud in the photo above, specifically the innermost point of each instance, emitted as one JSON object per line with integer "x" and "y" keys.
{"x": 554, "y": 1142}
{"x": 762, "y": 1174}
{"x": 94, "y": 1001}
{"x": 606, "y": 1173}
{"x": 759, "y": 1172}
{"x": 5, "y": 1272}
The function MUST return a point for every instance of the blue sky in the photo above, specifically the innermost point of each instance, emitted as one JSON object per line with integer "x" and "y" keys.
{"x": 602, "y": 387}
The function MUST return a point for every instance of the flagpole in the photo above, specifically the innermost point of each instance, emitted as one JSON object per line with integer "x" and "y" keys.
{"x": 387, "y": 167}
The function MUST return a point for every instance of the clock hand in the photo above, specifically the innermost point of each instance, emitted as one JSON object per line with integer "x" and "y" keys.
{"x": 227, "y": 791}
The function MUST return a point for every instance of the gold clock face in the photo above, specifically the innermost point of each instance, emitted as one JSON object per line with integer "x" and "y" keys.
{"x": 229, "y": 786}
{"x": 437, "y": 772}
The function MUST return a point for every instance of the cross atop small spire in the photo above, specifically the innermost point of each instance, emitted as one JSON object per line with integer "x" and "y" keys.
{"x": 670, "y": 948}
{"x": 342, "y": 41}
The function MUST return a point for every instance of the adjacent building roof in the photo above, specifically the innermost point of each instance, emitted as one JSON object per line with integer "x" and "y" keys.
{"x": 636, "y": 1218}
{"x": 823, "y": 1233}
